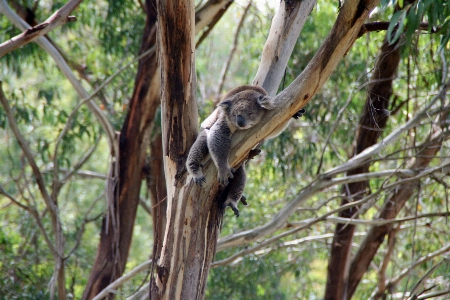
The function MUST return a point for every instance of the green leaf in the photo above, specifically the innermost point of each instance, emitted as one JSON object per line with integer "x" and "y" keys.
{"x": 397, "y": 19}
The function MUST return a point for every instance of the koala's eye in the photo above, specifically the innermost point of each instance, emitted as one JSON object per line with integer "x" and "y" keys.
{"x": 260, "y": 98}
{"x": 250, "y": 114}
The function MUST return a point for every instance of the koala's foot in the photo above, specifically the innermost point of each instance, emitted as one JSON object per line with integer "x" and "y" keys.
{"x": 223, "y": 177}
{"x": 233, "y": 204}
{"x": 199, "y": 179}
{"x": 299, "y": 114}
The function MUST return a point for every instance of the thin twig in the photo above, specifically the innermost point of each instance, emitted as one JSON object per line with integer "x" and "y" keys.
{"x": 59, "y": 18}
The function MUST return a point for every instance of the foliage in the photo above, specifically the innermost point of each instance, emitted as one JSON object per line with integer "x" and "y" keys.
{"x": 106, "y": 35}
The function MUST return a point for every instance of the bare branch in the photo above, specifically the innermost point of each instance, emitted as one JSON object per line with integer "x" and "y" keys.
{"x": 59, "y": 18}
{"x": 378, "y": 26}
{"x": 27, "y": 152}
{"x": 375, "y": 149}
{"x": 50, "y": 204}
{"x": 120, "y": 281}
{"x": 395, "y": 280}
{"x": 280, "y": 219}
{"x": 227, "y": 64}
{"x": 208, "y": 12}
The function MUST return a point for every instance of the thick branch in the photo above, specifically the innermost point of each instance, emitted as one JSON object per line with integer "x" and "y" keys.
{"x": 284, "y": 31}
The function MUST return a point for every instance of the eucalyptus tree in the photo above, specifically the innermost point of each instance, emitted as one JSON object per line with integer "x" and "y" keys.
{"x": 187, "y": 219}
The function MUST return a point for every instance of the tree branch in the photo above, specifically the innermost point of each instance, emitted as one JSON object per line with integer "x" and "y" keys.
{"x": 65, "y": 69}
{"x": 396, "y": 279}
{"x": 227, "y": 64}
{"x": 284, "y": 32}
{"x": 59, "y": 18}
{"x": 120, "y": 281}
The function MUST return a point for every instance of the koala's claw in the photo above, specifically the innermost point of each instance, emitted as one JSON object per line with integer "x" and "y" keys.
{"x": 200, "y": 180}
{"x": 233, "y": 206}
{"x": 244, "y": 200}
{"x": 299, "y": 114}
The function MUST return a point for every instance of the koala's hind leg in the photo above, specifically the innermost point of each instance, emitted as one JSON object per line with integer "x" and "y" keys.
{"x": 219, "y": 144}
{"x": 196, "y": 154}
{"x": 236, "y": 189}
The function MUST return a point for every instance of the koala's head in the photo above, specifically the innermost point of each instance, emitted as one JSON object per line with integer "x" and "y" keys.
{"x": 244, "y": 106}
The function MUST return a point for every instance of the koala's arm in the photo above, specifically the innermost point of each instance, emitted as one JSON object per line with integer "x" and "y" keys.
{"x": 219, "y": 144}
{"x": 196, "y": 154}
{"x": 236, "y": 189}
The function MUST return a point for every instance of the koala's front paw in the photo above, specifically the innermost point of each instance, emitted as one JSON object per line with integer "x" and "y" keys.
{"x": 222, "y": 177}
{"x": 299, "y": 114}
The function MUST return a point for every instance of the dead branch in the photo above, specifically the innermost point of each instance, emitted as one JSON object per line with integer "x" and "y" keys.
{"x": 379, "y": 26}
{"x": 280, "y": 219}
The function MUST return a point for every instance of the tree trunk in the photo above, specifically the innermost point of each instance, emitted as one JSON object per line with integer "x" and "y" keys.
{"x": 118, "y": 223}
{"x": 193, "y": 215}
{"x": 157, "y": 189}
{"x": 371, "y": 125}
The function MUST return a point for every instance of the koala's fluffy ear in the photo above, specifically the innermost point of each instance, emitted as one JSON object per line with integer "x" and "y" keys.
{"x": 226, "y": 103}
{"x": 266, "y": 102}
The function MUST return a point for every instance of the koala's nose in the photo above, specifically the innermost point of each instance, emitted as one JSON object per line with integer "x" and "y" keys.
{"x": 240, "y": 121}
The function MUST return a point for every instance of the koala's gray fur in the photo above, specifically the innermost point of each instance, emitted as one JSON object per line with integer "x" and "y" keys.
{"x": 240, "y": 109}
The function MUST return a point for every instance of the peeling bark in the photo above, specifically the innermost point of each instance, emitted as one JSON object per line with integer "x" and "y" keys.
{"x": 157, "y": 188}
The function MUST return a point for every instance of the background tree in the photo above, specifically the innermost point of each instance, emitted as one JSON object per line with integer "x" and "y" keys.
{"x": 277, "y": 248}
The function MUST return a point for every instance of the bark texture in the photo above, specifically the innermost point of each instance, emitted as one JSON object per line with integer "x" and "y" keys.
{"x": 156, "y": 184}
{"x": 372, "y": 122}
{"x": 182, "y": 268}
{"x": 118, "y": 223}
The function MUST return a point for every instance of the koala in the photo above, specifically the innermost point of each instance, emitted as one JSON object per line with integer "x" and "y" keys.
{"x": 240, "y": 109}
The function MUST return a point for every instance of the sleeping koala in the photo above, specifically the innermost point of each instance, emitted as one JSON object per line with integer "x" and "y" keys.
{"x": 240, "y": 109}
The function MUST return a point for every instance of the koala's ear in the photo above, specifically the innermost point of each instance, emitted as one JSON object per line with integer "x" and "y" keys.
{"x": 226, "y": 103}
{"x": 266, "y": 102}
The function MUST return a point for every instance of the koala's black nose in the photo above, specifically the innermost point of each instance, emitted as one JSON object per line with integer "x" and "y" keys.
{"x": 240, "y": 120}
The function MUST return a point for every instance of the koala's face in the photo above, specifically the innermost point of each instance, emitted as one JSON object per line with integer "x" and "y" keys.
{"x": 243, "y": 109}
